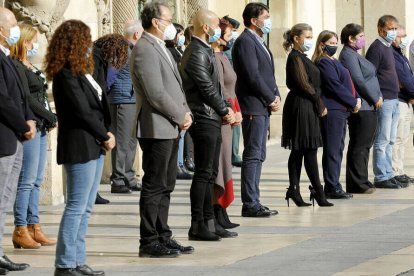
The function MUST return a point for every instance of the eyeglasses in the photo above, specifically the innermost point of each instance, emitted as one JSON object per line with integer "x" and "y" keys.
{"x": 169, "y": 21}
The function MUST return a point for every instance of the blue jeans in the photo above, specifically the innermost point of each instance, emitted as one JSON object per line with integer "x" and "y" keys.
{"x": 26, "y": 206}
{"x": 384, "y": 139}
{"x": 254, "y": 135}
{"x": 180, "y": 159}
{"x": 82, "y": 185}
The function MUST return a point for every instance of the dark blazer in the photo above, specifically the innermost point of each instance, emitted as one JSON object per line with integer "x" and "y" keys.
{"x": 405, "y": 75}
{"x": 336, "y": 85}
{"x": 256, "y": 85}
{"x": 14, "y": 107}
{"x": 83, "y": 119}
{"x": 364, "y": 76}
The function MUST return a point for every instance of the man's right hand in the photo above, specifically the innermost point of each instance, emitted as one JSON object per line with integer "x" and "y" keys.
{"x": 188, "y": 121}
{"x": 32, "y": 132}
{"x": 378, "y": 104}
{"x": 110, "y": 143}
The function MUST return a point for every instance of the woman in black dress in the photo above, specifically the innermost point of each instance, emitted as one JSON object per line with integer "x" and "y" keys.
{"x": 301, "y": 113}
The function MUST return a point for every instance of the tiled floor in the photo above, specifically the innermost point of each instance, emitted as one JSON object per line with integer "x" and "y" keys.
{"x": 367, "y": 235}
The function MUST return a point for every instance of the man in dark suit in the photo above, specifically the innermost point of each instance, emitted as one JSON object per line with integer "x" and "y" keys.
{"x": 162, "y": 114}
{"x": 16, "y": 125}
{"x": 258, "y": 96}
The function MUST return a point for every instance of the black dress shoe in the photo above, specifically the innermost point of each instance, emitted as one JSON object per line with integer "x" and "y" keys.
{"x": 101, "y": 200}
{"x": 402, "y": 184}
{"x": 220, "y": 231}
{"x": 272, "y": 212}
{"x": 7, "y": 264}
{"x": 200, "y": 232}
{"x": 338, "y": 194}
{"x": 174, "y": 245}
{"x": 189, "y": 164}
{"x": 136, "y": 187}
{"x": 237, "y": 163}
{"x": 182, "y": 173}
{"x": 386, "y": 184}
{"x": 255, "y": 213}
{"x": 86, "y": 270}
{"x": 3, "y": 271}
{"x": 67, "y": 272}
{"x": 120, "y": 189}
{"x": 401, "y": 178}
{"x": 157, "y": 250}
{"x": 411, "y": 180}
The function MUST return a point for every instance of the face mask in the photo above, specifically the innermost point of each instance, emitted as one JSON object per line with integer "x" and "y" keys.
{"x": 89, "y": 52}
{"x": 360, "y": 43}
{"x": 180, "y": 41}
{"x": 307, "y": 45}
{"x": 229, "y": 45}
{"x": 14, "y": 35}
{"x": 391, "y": 36}
{"x": 33, "y": 51}
{"x": 330, "y": 49}
{"x": 404, "y": 42}
{"x": 169, "y": 32}
{"x": 213, "y": 38}
{"x": 267, "y": 26}
{"x": 234, "y": 35}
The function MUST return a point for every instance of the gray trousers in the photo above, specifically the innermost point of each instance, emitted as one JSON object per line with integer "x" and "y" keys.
{"x": 10, "y": 167}
{"x": 123, "y": 117}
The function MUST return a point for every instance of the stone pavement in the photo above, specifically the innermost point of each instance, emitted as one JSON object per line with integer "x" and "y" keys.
{"x": 367, "y": 235}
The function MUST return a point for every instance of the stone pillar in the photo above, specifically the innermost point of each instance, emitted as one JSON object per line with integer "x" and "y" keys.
{"x": 123, "y": 11}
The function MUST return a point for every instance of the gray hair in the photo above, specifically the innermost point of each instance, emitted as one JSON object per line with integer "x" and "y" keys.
{"x": 132, "y": 27}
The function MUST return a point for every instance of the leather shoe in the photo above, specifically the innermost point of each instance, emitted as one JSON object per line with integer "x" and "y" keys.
{"x": 402, "y": 184}
{"x": 386, "y": 184}
{"x": 3, "y": 271}
{"x": 120, "y": 189}
{"x": 182, "y": 173}
{"x": 174, "y": 245}
{"x": 157, "y": 250}
{"x": 255, "y": 213}
{"x": 402, "y": 178}
{"x": 369, "y": 191}
{"x": 67, "y": 272}
{"x": 136, "y": 188}
{"x": 237, "y": 164}
{"x": 411, "y": 180}
{"x": 101, "y": 200}
{"x": 7, "y": 264}
{"x": 86, "y": 270}
{"x": 272, "y": 212}
{"x": 189, "y": 164}
{"x": 338, "y": 194}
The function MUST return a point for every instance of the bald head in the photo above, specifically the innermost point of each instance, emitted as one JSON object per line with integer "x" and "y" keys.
{"x": 133, "y": 30}
{"x": 7, "y": 18}
{"x": 204, "y": 17}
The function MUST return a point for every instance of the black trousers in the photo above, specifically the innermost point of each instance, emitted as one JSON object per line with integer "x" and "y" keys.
{"x": 207, "y": 143}
{"x": 362, "y": 128}
{"x": 309, "y": 156}
{"x": 188, "y": 145}
{"x": 159, "y": 162}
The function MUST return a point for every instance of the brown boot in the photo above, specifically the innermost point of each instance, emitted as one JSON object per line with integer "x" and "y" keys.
{"x": 35, "y": 230}
{"x": 22, "y": 239}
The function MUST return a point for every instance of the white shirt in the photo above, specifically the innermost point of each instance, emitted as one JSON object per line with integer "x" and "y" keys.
{"x": 386, "y": 43}
{"x": 162, "y": 45}
{"x": 5, "y": 50}
{"x": 261, "y": 41}
{"x": 95, "y": 85}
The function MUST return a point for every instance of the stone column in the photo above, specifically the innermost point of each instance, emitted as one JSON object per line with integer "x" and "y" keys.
{"x": 123, "y": 11}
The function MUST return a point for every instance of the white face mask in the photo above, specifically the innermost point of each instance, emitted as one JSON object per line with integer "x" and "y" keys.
{"x": 169, "y": 32}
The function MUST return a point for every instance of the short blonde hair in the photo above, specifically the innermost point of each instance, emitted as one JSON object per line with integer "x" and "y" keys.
{"x": 27, "y": 33}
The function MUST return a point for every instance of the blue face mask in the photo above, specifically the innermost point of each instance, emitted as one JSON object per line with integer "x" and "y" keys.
{"x": 213, "y": 38}
{"x": 34, "y": 50}
{"x": 14, "y": 35}
{"x": 307, "y": 45}
{"x": 391, "y": 35}
{"x": 404, "y": 42}
{"x": 89, "y": 52}
{"x": 267, "y": 26}
{"x": 180, "y": 41}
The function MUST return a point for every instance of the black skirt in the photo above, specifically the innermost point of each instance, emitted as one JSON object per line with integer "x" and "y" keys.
{"x": 300, "y": 123}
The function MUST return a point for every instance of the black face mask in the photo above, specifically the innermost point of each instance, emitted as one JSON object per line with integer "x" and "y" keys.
{"x": 330, "y": 50}
{"x": 229, "y": 45}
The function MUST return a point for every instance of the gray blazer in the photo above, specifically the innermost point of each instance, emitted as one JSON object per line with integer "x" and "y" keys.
{"x": 161, "y": 104}
{"x": 364, "y": 76}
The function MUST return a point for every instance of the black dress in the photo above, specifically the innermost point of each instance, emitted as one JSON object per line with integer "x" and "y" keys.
{"x": 300, "y": 124}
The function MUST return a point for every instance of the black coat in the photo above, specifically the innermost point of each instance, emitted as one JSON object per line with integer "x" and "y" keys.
{"x": 83, "y": 119}
{"x": 14, "y": 108}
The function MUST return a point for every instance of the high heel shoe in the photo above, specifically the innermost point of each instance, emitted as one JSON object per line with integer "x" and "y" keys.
{"x": 319, "y": 196}
{"x": 294, "y": 194}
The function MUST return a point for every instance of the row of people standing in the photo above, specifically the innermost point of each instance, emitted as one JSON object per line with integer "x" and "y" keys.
{"x": 365, "y": 93}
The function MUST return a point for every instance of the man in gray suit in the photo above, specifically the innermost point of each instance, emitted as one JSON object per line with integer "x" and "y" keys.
{"x": 162, "y": 114}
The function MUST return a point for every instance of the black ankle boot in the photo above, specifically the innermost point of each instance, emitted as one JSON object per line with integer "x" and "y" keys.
{"x": 319, "y": 196}
{"x": 100, "y": 200}
{"x": 222, "y": 218}
{"x": 199, "y": 232}
{"x": 294, "y": 194}
{"x": 220, "y": 231}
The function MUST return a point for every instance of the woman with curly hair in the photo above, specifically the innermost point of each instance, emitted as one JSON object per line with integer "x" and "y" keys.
{"x": 28, "y": 233}
{"x": 110, "y": 50}
{"x": 83, "y": 138}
